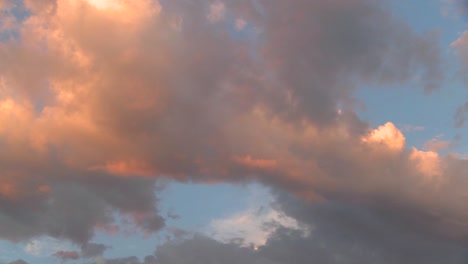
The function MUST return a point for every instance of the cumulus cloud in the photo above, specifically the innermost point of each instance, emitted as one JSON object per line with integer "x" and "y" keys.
{"x": 100, "y": 98}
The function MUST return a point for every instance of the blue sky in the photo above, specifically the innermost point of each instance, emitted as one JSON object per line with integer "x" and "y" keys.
{"x": 194, "y": 207}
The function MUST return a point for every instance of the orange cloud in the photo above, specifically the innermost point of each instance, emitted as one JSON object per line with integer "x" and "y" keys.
{"x": 102, "y": 93}
{"x": 256, "y": 163}
{"x": 387, "y": 135}
{"x": 123, "y": 168}
{"x": 427, "y": 162}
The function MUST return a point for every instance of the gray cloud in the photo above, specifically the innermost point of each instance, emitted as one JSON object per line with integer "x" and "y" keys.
{"x": 19, "y": 261}
{"x": 460, "y": 115}
{"x": 93, "y": 250}
{"x": 205, "y": 250}
{"x": 72, "y": 210}
{"x": 324, "y": 49}
{"x": 95, "y": 109}
{"x": 341, "y": 233}
{"x": 66, "y": 255}
{"x": 360, "y": 233}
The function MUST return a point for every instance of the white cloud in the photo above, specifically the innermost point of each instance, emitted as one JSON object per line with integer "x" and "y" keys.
{"x": 44, "y": 247}
{"x": 255, "y": 224}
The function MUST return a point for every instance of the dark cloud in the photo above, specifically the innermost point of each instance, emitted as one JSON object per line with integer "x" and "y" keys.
{"x": 360, "y": 233}
{"x": 91, "y": 250}
{"x": 460, "y": 115}
{"x": 172, "y": 215}
{"x": 205, "y": 250}
{"x": 73, "y": 210}
{"x": 340, "y": 233}
{"x": 94, "y": 110}
{"x": 126, "y": 260}
{"x": 322, "y": 50}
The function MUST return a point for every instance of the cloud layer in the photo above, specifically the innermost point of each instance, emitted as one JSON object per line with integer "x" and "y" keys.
{"x": 98, "y": 99}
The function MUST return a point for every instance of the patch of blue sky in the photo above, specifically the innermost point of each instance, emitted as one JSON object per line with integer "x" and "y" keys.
{"x": 20, "y": 14}
{"x": 406, "y": 105}
{"x": 124, "y": 244}
{"x": 197, "y": 204}
{"x": 194, "y": 204}
{"x": 427, "y": 15}
{"x": 10, "y": 251}
{"x": 409, "y": 108}
{"x": 37, "y": 250}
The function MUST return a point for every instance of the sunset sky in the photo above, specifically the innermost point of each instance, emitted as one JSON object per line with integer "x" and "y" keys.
{"x": 235, "y": 131}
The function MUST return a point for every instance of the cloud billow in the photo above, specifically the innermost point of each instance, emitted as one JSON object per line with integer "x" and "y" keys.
{"x": 98, "y": 101}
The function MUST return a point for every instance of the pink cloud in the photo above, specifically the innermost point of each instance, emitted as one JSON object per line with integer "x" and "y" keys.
{"x": 97, "y": 90}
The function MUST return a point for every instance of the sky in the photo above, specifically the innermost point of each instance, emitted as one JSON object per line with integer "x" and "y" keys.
{"x": 240, "y": 131}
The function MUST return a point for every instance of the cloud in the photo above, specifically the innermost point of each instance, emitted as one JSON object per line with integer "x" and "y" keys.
{"x": 345, "y": 232}
{"x": 101, "y": 98}
{"x": 436, "y": 144}
{"x": 19, "y": 261}
{"x": 453, "y": 8}
{"x": 411, "y": 128}
{"x": 205, "y": 250}
{"x": 460, "y": 115}
{"x": 252, "y": 227}
{"x": 388, "y": 135}
{"x": 240, "y": 24}
{"x": 66, "y": 255}
{"x": 126, "y": 260}
{"x": 44, "y": 247}
{"x": 217, "y": 12}
{"x": 91, "y": 250}
{"x": 461, "y": 47}
{"x": 341, "y": 233}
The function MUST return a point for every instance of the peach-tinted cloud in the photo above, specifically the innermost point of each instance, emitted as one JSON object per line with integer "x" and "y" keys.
{"x": 256, "y": 163}
{"x": 217, "y": 12}
{"x": 240, "y": 24}
{"x": 387, "y": 135}
{"x": 122, "y": 168}
{"x": 427, "y": 162}
{"x": 94, "y": 90}
{"x": 437, "y": 145}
